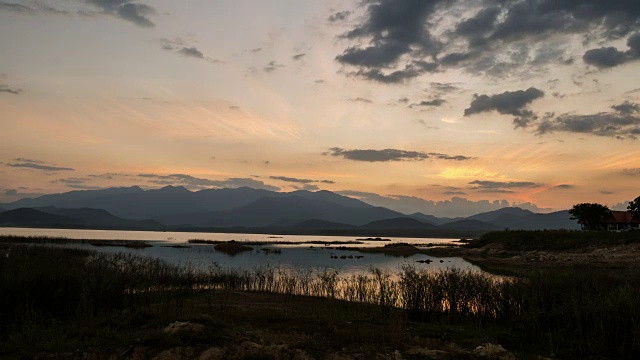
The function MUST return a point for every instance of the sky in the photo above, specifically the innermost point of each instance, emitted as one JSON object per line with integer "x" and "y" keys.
{"x": 448, "y": 107}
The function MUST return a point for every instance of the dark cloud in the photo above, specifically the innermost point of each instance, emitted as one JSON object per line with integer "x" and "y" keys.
{"x": 200, "y": 183}
{"x": 564, "y": 186}
{"x": 298, "y": 56}
{"x": 309, "y": 187}
{"x": 627, "y": 108}
{"x": 339, "y": 16}
{"x": 607, "y": 192}
{"x": 35, "y": 165}
{"x": 8, "y": 90}
{"x": 495, "y": 191}
{"x": 181, "y": 47}
{"x": 291, "y": 179}
{"x": 108, "y": 176}
{"x": 508, "y": 103}
{"x": 272, "y": 66}
{"x": 17, "y": 8}
{"x": 429, "y": 103}
{"x": 608, "y": 57}
{"x": 624, "y": 123}
{"x": 502, "y": 185}
{"x": 319, "y": 81}
{"x": 301, "y": 181}
{"x": 256, "y": 50}
{"x": 234, "y": 107}
{"x": 443, "y": 88}
{"x": 390, "y": 155}
{"x": 493, "y": 37}
{"x": 11, "y": 192}
{"x": 76, "y": 183}
{"x": 192, "y": 52}
{"x": 134, "y": 12}
{"x": 5, "y": 88}
{"x": 361, "y": 99}
{"x": 454, "y": 193}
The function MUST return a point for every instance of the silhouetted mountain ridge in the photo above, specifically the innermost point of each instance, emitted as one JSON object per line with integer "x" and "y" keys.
{"x": 255, "y": 208}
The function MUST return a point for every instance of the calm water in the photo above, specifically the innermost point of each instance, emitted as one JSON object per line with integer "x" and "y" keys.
{"x": 291, "y": 256}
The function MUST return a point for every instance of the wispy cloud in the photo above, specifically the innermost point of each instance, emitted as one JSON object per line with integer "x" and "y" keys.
{"x": 199, "y": 183}
{"x": 369, "y": 155}
{"x": 35, "y": 165}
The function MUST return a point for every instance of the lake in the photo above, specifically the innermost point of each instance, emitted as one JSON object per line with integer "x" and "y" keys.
{"x": 294, "y": 256}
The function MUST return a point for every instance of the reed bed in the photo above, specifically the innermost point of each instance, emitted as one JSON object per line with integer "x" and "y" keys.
{"x": 583, "y": 313}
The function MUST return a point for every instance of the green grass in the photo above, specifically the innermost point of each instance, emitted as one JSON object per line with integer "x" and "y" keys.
{"x": 56, "y": 299}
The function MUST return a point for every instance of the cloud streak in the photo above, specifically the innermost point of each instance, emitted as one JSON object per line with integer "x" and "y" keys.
{"x": 623, "y": 122}
{"x": 36, "y": 165}
{"x": 201, "y": 183}
{"x": 385, "y": 155}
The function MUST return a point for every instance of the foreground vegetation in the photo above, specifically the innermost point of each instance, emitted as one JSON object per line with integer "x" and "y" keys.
{"x": 59, "y": 300}
{"x": 555, "y": 240}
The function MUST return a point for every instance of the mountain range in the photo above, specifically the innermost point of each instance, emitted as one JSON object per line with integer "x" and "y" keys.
{"x": 174, "y": 207}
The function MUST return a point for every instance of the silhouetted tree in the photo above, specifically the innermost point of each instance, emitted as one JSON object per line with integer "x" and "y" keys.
{"x": 589, "y": 214}
{"x": 634, "y": 207}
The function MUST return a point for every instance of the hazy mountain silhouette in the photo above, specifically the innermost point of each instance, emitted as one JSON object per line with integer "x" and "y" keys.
{"x": 397, "y": 223}
{"x": 247, "y": 207}
{"x": 469, "y": 224}
{"x": 490, "y": 216}
{"x": 32, "y": 217}
{"x": 430, "y": 219}
{"x": 551, "y": 221}
{"x": 2, "y": 210}
{"x": 83, "y": 218}
{"x": 282, "y": 211}
{"x": 316, "y": 224}
{"x": 102, "y": 218}
{"x": 72, "y": 199}
{"x": 135, "y": 203}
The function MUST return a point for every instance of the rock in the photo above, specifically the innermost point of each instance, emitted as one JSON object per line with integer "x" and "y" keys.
{"x": 134, "y": 353}
{"x": 249, "y": 349}
{"x": 493, "y": 351}
{"x": 436, "y": 354}
{"x": 214, "y": 353}
{"x": 176, "y": 354}
{"x": 183, "y": 327}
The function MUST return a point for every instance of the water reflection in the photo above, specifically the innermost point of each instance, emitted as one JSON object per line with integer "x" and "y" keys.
{"x": 172, "y": 247}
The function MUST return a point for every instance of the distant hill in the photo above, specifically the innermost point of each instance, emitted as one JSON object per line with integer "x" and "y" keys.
{"x": 32, "y": 217}
{"x": 282, "y": 211}
{"x": 469, "y": 224}
{"x": 102, "y": 218}
{"x": 78, "y": 218}
{"x": 492, "y": 215}
{"x": 135, "y": 203}
{"x": 316, "y": 224}
{"x": 2, "y": 210}
{"x": 404, "y": 223}
{"x": 128, "y": 207}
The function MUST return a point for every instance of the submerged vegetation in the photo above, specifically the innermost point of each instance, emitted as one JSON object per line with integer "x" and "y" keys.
{"x": 46, "y": 289}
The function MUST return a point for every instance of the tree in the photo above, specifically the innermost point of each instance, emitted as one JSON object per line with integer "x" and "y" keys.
{"x": 589, "y": 215}
{"x": 634, "y": 207}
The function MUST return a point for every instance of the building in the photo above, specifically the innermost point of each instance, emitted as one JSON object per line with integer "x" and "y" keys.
{"x": 620, "y": 220}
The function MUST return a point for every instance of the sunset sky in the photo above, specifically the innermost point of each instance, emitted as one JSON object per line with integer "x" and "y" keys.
{"x": 404, "y": 103}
